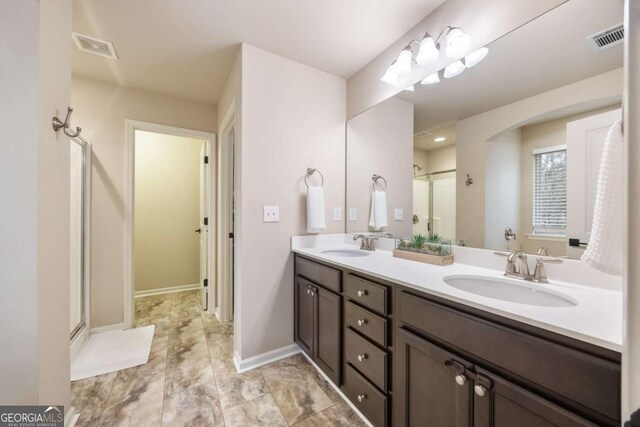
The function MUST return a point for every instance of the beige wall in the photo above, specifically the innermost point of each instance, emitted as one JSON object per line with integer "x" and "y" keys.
{"x": 380, "y": 141}
{"x": 365, "y": 88}
{"x": 292, "y": 118}
{"x": 34, "y": 187}
{"x": 167, "y": 211}
{"x": 542, "y": 135}
{"x": 101, "y": 109}
{"x": 438, "y": 160}
{"x": 473, "y": 132}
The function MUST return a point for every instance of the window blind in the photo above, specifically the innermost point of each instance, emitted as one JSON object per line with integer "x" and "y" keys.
{"x": 550, "y": 192}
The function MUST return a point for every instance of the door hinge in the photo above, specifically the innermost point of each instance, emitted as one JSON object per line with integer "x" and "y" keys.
{"x": 206, "y": 282}
{"x": 206, "y": 221}
{"x": 206, "y": 160}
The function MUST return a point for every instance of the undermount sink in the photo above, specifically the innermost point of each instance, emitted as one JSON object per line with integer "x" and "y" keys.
{"x": 510, "y": 290}
{"x": 347, "y": 253}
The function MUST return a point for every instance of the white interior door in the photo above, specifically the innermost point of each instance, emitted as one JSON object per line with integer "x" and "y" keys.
{"x": 585, "y": 142}
{"x": 204, "y": 222}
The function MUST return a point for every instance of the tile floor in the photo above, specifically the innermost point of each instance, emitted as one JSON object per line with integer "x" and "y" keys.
{"x": 190, "y": 380}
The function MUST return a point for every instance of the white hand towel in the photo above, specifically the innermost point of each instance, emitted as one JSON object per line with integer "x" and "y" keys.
{"x": 604, "y": 251}
{"x": 378, "y": 215}
{"x": 315, "y": 210}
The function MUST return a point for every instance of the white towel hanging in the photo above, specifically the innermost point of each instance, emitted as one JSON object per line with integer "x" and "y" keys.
{"x": 315, "y": 209}
{"x": 604, "y": 251}
{"x": 378, "y": 214}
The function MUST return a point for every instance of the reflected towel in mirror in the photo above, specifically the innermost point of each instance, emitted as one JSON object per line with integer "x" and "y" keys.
{"x": 378, "y": 215}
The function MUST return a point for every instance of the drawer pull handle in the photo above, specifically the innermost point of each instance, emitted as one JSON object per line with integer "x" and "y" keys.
{"x": 461, "y": 379}
{"x": 362, "y": 397}
{"x": 480, "y": 390}
{"x": 362, "y": 357}
{"x": 308, "y": 291}
{"x": 363, "y": 293}
{"x": 362, "y": 322}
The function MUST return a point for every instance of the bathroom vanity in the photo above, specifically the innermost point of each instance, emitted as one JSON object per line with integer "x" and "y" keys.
{"x": 407, "y": 349}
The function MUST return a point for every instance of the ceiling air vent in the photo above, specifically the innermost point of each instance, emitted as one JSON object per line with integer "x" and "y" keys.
{"x": 95, "y": 46}
{"x": 608, "y": 38}
{"x": 421, "y": 133}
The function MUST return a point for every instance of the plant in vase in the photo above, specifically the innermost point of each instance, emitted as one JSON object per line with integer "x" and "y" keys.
{"x": 418, "y": 241}
{"x": 434, "y": 243}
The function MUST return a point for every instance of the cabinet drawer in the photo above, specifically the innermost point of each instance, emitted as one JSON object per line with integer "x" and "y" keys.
{"x": 365, "y": 397}
{"x": 367, "y": 323}
{"x": 586, "y": 380}
{"x": 366, "y": 358}
{"x": 318, "y": 273}
{"x": 367, "y": 293}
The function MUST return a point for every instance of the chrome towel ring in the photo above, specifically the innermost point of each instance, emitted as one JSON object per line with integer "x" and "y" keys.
{"x": 311, "y": 171}
{"x": 375, "y": 178}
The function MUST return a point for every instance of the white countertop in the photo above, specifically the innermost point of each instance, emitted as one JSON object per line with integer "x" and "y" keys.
{"x": 597, "y": 319}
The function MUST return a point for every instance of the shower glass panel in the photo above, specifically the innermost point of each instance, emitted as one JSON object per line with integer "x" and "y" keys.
{"x": 434, "y": 204}
{"x": 77, "y": 204}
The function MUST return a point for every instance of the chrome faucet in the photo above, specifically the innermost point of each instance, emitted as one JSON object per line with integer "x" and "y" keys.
{"x": 368, "y": 243}
{"x": 518, "y": 267}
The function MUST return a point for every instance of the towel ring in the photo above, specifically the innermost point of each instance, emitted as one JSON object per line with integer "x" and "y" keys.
{"x": 311, "y": 171}
{"x": 375, "y": 179}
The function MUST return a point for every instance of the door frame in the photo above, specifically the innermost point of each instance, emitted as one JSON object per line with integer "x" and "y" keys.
{"x": 131, "y": 126}
{"x": 225, "y": 223}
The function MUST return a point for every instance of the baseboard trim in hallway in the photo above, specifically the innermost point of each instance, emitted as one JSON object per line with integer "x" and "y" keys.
{"x": 169, "y": 290}
{"x": 107, "y": 328}
{"x": 264, "y": 358}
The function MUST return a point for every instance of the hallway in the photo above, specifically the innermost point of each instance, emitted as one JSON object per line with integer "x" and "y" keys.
{"x": 190, "y": 379}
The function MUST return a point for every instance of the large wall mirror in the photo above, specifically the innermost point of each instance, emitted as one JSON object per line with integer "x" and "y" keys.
{"x": 511, "y": 144}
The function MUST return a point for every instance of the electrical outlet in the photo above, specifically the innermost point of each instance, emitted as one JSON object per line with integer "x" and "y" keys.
{"x": 353, "y": 214}
{"x": 398, "y": 214}
{"x": 271, "y": 214}
{"x": 337, "y": 213}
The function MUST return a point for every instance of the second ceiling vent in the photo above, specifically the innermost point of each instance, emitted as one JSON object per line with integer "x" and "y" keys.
{"x": 608, "y": 38}
{"x": 96, "y": 46}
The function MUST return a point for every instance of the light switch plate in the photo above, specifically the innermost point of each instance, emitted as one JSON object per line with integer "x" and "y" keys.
{"x": 337, "y": 213}
{"x": 398, "y": 214}
{"x": 271, "y": 214}
{"x": 353, "y": 214}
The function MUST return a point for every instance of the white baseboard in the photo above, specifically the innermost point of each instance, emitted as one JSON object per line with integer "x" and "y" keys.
{"x": 264, "y": 358}
{"x": 71, "y": 417}
{"x": 77, "y": 342}
{"x": 170, "y": 289}
{"x": 337, "y": 389}
{"x": 107, "y": 328}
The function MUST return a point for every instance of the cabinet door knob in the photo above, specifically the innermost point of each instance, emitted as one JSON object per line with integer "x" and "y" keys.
{"x": 480, "y": 390}
{"x": 308, "y": 291}
{"x": 313, "y": 292}
{"x": 362, "y": 293}
{"x": 461, "y": 379}
{"x": 362, "y": 357}
{"x": 361, "y": 397}
{"x": 362, "y": 322}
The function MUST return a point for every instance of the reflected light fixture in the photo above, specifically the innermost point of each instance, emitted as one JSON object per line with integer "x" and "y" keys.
{"x": 391, "y": 75}
{"x": 403, "y": 63}
{"x": 453, "y": 69}
{"x": 428, "y": 53}
{"x": 440, "y": 139}
{"x": 475, "y": 57}
{"x": 458, "y": 43}
{"x": 410, "y": 89}
{"x": 431, "y": 79}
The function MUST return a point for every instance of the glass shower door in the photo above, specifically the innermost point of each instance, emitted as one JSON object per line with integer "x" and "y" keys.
{"x": 443, "y": 196}
{"x": 77, "y": 211}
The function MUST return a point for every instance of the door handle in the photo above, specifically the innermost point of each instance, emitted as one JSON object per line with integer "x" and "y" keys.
{"x": 198, "y": 230}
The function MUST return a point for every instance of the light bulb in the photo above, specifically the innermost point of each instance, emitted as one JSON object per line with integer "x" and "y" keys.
{"x": 391, "y": 75}
{"x": 403, "y": 63}
{"x": 431, "y": 79}
{"x": 428, "y": 53}
{"x": 453, "y": 69}
{"x": 475, "y": 57}
{"x": 458, "y": 43}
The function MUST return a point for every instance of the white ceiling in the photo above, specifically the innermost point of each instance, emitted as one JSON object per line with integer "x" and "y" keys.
{"x": 549, "y": 52}
{"x": 427, "y": 142}
{"x": 186, "y": 48}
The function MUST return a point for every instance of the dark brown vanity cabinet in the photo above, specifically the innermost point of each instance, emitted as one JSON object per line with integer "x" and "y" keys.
{"x": 317, "y": 319}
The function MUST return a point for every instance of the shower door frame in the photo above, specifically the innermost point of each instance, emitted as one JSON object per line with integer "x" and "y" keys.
{"x": 429, "y": 178}
{"x": 81, "y": 332}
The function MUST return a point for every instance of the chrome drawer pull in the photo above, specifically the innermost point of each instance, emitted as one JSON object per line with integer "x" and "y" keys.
{"x": 461, "y": 379}
{"x": 480, "y": 390}
{"x": 361, "y": 397}
{"x": 362, "y": 322}
{"x": 362, "y": 357}
{"x": 363, "y": 293}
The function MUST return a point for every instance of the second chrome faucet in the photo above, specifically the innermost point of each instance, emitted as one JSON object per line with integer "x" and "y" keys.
{"x": 518, "y": 266}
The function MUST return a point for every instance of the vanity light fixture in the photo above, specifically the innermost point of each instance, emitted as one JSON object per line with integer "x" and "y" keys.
{"x": 475, "y": 57}
{"x": 458, "y": 43}
{"x": 410, "y": 89}
{"x": 403, "y": 63}
{"x": 428, "y": 52}
{"x": 453, "y": 69}
{"x": 391, "y": 75}
{"x": 440, "y": 139}
{"x": 431, "y": 79}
